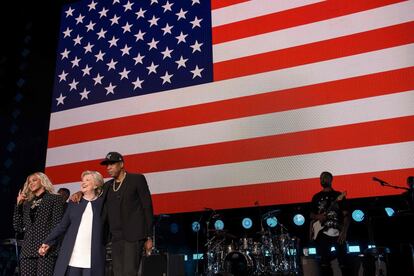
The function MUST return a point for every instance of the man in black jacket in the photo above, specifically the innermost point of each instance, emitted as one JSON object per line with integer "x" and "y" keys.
{"x": 128, "y": 209}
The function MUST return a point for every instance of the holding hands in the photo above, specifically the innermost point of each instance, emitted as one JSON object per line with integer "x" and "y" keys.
{"x": 43, "y": 249}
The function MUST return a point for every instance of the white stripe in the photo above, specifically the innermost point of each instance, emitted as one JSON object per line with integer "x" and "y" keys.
{"x": 318, "y": 31}
{"x": 331, "y": 70}
{"x": 341, "y": 162}
{"x": 254, "y": 8}
{"x": 343, "y": 113}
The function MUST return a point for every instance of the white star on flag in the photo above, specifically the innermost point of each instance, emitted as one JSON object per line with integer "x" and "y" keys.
{"x": 110, "y": 89}
{"x": 137, "y": 83}
{"x": 152, "y": 68}
{"x": 84, "y": 94}
{"x": 124, "y": 73}
{"x": 73, "y": 85}
{"x": 197, "y": 72}
{"x": 181, "y": 62}
{"x": 166, "y": 77}
{"x": 86, "y": 70}
{"x": 62, "y": 76}
{"x": 60, "y": 99}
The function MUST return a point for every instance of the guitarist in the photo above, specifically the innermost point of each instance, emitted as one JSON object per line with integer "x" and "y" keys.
{"x": 329, "y": 212}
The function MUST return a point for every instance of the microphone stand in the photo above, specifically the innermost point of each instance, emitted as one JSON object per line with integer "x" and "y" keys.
{"x": 386, "y": 184}
{"x": 394, "y": 186}
{"x": 210, "y": 267}
{"x": 197, "y": 252}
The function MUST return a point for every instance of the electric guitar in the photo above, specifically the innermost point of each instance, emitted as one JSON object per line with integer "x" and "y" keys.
{"x": 316, "y": 225}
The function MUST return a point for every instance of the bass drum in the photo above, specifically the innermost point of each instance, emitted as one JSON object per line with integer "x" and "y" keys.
{"x": 238, "y": 263}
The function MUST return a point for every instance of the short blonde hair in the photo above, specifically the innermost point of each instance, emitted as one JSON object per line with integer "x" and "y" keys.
{"x": 97, "y": 177}
{"x": 45, "y": 182}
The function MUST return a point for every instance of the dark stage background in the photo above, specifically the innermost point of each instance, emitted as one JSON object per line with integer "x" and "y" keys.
{"x": 27, "y": 61}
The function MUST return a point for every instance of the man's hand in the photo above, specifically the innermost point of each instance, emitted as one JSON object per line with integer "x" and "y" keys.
{"x": 43, "y": 249}
{"x": 76, "y": 197}
{"x": 148, "y": 247}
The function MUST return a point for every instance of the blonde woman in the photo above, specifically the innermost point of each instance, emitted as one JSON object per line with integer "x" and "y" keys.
{"x": 82, "y": 252}
{"x": 37, "y": 212}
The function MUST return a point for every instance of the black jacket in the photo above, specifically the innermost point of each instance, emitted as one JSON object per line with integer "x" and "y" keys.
{"x": 49, "y": 214}
{"x": 136, "y": 207}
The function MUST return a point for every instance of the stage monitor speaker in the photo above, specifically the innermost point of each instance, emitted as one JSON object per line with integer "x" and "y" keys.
{"x": 163, "y": 265}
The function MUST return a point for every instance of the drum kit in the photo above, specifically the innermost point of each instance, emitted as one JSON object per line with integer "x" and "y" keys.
{"x": 269, "y": 253}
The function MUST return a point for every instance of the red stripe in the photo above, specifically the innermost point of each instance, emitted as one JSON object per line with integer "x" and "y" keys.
{"x": 287, "y": 192}
{"x": 327, "y": 139}
{"x": 347, "y": 89}
{"x": 315, "y": 52}
{"x": 217, "y": 4}
{"x": 294, "y": 17}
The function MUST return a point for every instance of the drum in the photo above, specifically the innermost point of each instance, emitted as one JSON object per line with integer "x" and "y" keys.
{"x": 286, "y": 254}
{"x": 256, "y": 248}
{"x": 231, "y": 247}
{"x": 238, "y": 263}
{"x": 245, "y": 243}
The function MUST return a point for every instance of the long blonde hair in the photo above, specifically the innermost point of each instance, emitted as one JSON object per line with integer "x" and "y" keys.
{"x": 44, "y": 180}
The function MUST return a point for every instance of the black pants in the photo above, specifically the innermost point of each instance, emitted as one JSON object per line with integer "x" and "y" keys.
{"x": 37, "y": 266}
{"x": 324, "y": 243}
{"x": 126, "y": 257}
{"x": 77, "y": 271}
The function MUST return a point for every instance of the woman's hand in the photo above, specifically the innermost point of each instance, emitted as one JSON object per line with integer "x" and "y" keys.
{"x": 21, "y": 197}
{"x": 43, "y": 249}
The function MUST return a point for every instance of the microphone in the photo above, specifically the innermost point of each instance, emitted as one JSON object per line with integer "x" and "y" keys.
{"x": 382, "y": 182}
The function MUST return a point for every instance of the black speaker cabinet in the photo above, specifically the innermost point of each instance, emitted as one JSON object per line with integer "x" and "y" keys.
{"x": 163, "y": 265}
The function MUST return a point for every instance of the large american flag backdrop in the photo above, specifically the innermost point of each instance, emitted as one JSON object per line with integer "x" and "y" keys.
{"x": 226, "y": 103}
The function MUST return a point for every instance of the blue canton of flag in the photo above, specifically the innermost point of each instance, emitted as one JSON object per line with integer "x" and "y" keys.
{"x": 116, "y": 49}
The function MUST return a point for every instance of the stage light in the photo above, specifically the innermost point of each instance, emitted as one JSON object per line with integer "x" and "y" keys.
{"x": 299, "y": 219}
{"x": 247, "y": 223}
{"x": 198, "y": 256}
{"x": 312, "y": 251}
{"x": 271, "y": 222}
{"x": 354, "y": 249}
{"x": 390, "y": 211}
{"x": 333, "y": 249}
{"x": 219, "y": 225}
{"x": 195, "y": 226}
{"x": 358, "y": 215}
{"x": 174, "y": 228}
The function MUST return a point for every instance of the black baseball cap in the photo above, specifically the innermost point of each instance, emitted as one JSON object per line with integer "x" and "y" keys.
{"x": 112, "y": 157}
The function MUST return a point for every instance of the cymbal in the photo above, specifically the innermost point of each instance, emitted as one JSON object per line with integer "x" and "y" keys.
{"x": 264, "y": 232}
{"x": 222, "y": 233}
{"x": 272, "y": 213}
